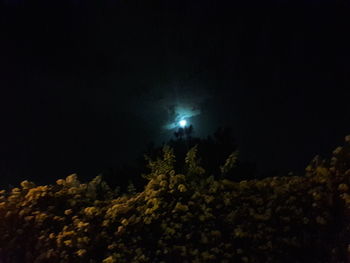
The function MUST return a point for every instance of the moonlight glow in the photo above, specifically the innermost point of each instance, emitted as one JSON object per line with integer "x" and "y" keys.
{"x": 182, "y": 123}
{"x": 180, "y": 116}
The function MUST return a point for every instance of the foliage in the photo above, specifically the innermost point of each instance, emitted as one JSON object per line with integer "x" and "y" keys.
{"x": 192, "y": 163}
{"x": 162, "y": 165}
{"x": 213, "y": 150}
{"x": 230, "y": 163}
{"x": 190, "y": 217}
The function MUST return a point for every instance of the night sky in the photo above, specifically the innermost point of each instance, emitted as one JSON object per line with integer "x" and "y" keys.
{"x": 86, "y": 86}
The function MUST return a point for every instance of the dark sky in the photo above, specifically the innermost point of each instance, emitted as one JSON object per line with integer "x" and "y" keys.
{"x": 85, "y": 86}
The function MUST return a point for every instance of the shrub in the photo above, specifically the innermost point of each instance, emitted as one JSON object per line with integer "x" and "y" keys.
{"x": 189, "y": 217}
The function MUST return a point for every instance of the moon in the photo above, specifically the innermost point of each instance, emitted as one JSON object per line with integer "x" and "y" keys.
{"x": 182, "y": 123}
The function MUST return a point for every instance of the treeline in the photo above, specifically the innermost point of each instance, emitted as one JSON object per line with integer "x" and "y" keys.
{"x": 184, "y": 214}
{"x": 213, "y": 151}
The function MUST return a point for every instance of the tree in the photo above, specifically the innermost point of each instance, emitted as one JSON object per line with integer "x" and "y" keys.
{"x": 214, "y": 151}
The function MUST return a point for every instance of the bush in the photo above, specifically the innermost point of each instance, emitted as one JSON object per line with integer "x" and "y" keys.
{"x": 188, "y": 217}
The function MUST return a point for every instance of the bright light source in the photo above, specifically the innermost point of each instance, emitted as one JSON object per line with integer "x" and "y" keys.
{"x": 182, "y": 123}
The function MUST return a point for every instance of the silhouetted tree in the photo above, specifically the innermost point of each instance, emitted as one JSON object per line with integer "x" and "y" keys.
{"x": 213, "y": 151}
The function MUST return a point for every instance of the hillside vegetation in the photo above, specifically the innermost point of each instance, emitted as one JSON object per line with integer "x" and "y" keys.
{"x": 187, "y": 217}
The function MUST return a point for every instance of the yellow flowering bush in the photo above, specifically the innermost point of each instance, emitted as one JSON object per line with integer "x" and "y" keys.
{"x": 183, "y": 217}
